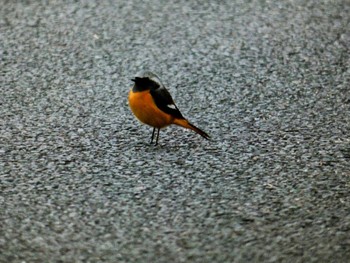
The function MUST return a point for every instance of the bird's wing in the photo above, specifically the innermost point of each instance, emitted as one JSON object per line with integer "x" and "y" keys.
{"x": 165, "y": 102}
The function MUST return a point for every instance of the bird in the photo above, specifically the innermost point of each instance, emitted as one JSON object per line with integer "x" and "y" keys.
{"x": 153, "y": 105}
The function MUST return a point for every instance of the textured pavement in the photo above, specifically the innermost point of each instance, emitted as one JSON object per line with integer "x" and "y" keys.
{"x": 268, "y": 80}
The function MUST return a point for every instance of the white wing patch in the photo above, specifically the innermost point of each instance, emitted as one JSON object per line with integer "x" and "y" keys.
{"x": 172, "y": 106}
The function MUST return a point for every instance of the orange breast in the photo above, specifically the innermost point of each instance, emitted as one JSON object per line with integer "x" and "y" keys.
{"x": 144, "y": 108}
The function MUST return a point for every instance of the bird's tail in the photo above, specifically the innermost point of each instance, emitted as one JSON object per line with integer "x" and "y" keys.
{"x": 186, "y": 124}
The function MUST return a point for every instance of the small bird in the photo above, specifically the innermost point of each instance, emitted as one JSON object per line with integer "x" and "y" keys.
{"x": 153, "y": 105}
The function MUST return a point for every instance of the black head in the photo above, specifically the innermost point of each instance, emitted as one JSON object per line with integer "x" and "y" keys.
{"x": 148, "y": 80}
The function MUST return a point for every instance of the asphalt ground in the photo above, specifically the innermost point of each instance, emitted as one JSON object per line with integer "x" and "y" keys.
{"x": 268, "y": 80}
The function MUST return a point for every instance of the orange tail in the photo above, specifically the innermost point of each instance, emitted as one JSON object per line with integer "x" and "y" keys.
{"x": 184, "y": 123}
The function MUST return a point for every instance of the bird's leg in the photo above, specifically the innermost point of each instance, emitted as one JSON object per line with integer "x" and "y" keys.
{"x": 157, "y": 136}
{"x": 154, "y": 129}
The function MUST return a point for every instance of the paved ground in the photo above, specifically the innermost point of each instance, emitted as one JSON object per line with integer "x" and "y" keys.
{"x": 268, "y": 80}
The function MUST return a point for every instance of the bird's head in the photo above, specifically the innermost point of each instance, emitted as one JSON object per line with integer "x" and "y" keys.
{"x": 148, "y": 80}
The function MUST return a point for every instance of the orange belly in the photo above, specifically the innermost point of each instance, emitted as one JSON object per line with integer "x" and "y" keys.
{"x": 144, "y": 108}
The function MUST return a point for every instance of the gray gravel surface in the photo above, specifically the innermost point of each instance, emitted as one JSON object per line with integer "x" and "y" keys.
{"x": 268, "y": 80}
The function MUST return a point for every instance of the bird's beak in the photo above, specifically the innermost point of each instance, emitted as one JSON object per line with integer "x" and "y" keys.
{"x": 133, "y": 80}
